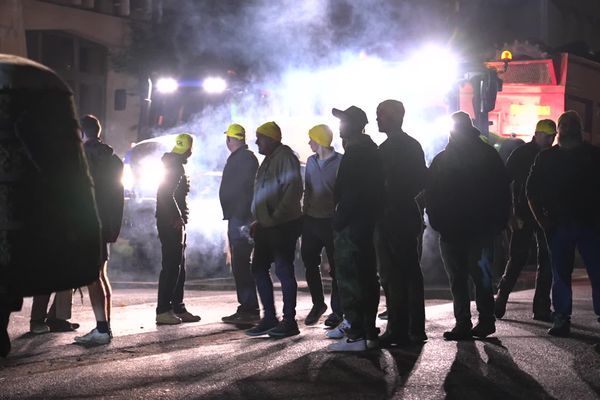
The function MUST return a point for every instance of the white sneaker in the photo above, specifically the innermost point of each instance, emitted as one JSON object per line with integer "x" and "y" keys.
{"x": 339, "y": 331}
{"x": 349, "y": 345}
{"x": 93, "y": 338}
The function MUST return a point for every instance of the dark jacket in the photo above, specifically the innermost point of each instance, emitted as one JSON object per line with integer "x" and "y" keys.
{"x": 566, "y": 186}
{"x": 404, "y": 173}
{"x": 467, "y": 194}
{"x": 237, "y": 184}
{"x": 358, "y": 189}
{"x": 319, "y": 181}
{"x": 518, "y": 165}
{"x": 106, "y": 169}
{"x": 171, "y": 197}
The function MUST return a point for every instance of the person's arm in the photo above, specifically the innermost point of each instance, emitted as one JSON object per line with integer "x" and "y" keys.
{"x": 308, "y": 187}
{"x": 166, "y": 197}
{"x": 534, "y": 192}
{"x": 291, "y": 187}
{"x": 351, "y": 176}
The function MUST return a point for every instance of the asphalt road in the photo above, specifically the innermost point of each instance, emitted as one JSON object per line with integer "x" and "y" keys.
{"x": 211, "y": 360}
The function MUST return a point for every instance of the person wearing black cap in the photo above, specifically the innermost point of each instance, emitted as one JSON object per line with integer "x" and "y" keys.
{"x": 399, "y": 228}
{"x": 357, "y": 196}
{"x": 467, "y": 197}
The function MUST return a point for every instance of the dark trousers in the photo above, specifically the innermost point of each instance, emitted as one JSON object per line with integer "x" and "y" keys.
{"x": 356, "y": 273}
{"x": 402, "y": 282}
{"x": 172, "y": 274}
{"x": 562, "y": 243}
{"x": 277, "y": 245}
{"x": 461, "y": 260}
{"x": 316, "y": 234}
{"x": 520, "y": 243}
{"x": 240, "y": 250}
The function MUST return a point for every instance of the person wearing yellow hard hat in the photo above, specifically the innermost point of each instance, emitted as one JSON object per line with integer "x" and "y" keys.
{"x": 524, "y": 229}
{"x": 276, "y": 228}
{"x": 171, "y": 218}
{"x": 318, "y": 209}
{"x": 400, "y": 228}
{"x": 235, "y": 195}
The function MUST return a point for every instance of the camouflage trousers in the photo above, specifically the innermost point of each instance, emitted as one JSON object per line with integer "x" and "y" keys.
{"x": 356, "y": 274}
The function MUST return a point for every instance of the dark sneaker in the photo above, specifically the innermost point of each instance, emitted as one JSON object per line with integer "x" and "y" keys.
{"x": 458, "y": 334}
{"x": 284, "y": 329}
{"x": 61, "y": 325}
{"x": 560, "y": 328}
{"x": 263, "y": 326}
{"x": 389, "y": 340}
{"x": 546, "y": 317}
{"x": 383, "y": 315}
{"x": 500, "y": 305}
{"x": 333, "y": 320}
{"x": 314, "y": 314}
{"x": 187, "y": 316}
{"x": 240, "y": 318}
{"x": 483, "y": 329}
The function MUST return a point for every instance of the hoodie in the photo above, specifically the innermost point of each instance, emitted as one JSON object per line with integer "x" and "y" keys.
{"x": 171, "y": 197}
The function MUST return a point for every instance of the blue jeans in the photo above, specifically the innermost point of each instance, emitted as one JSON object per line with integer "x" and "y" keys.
{"x": 276, "y": 245}
{"x": 562, "y": 242}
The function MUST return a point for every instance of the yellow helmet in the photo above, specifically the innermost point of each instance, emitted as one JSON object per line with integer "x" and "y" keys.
{"x": 236, "y": 131}
{"x": 321, "y": 134}
{"x": 183, "y": 143}
{"x": 270, "y": 129}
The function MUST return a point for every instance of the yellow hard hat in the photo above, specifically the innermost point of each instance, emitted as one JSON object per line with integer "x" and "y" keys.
{"x": 270, "y": 129}
{"x": 546, "y": 126}
{"x": 183, "y": 143}
{"x": 236, "y": 131}
{"x": 321, "y": 134}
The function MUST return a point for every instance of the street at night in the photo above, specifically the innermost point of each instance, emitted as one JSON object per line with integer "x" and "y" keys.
{"x": 212, "y": 360}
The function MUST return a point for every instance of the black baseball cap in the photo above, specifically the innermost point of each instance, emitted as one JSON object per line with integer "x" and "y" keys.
{"x": 352, "y": 114}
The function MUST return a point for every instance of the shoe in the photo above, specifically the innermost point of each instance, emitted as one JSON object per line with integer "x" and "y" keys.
{"x": 187, "y": 316}
{"x": 458, "y": 334}
{"x": 61, "y": 325}
{"x": 285, "y": 328}
{"x": 560, "y": 328}
{"x": 390, "y": 340}
{"x": 167, "y": 318}
{"x": 314, "y": 314}
{"x": 483, "y": 329}
{"x": 93, "y": 338}
{"x": 500, "y": 305}
{"x": 348, "y": 344}
{"x": 240, "y": 318}
{"x": 546, "y": 317}
{"x": 262, "y": 327}
{"x": 383, "y": 315}
{"x": 38, "y": 327}
{"x": 339, "y": 331}
{"x": 333, "y": 320}
{"x": 418, "y": 337}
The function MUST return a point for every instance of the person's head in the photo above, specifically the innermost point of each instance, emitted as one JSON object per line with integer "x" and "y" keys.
{"x": 545, "y": 132}
{"x": 183, "y": 145}
{"x": 235, "y": 137}
{"x": 390, "y": 116}
{"x": 320, "y": 136}
{"x": 569, "y": 129}
{"x": 352, "y": 121}
{"x": 90, "y": 126}
{"x": 268, "y": 137}
{"x": 462, "y": 126}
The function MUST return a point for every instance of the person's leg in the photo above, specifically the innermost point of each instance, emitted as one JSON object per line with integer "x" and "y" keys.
{"x": 588, "y": 244}
{"x": 416, "y": 290}
{"x": 284, "y": 239}
{"x": 261, "y": 264}
{"x": 172, "y": 248}
{"x": 8, "y": 303}
{"x": 369, "y": 285}
{"x": 520, "y": 242}
{"x": 245, "y": 287}
{"x": 543, "y": 281}
{"x": 310, "y": 250}
{"x": 481, "y": 275}
{"x": 561, "y": 244}
{"x": 454, "y": 257}
{"x": 336, "y": 305}
{"x": 37, "y": 323}
{"x": 60, "y": 313}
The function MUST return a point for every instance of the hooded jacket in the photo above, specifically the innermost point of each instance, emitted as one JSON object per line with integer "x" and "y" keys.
{"x": 320, "y": 182}
{"x": 171, "y": 197}
{"x": 519, "y": 165}
{"x": 106, "y": 169}
{"x": 467, "y": 194}
{"x": 237, "y": 184}
{"x": 278, "y": 188}
{"x": 358, "y": 189}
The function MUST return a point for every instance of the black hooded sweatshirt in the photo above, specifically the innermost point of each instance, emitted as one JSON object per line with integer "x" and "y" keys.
{"x": 171, "y": 197}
